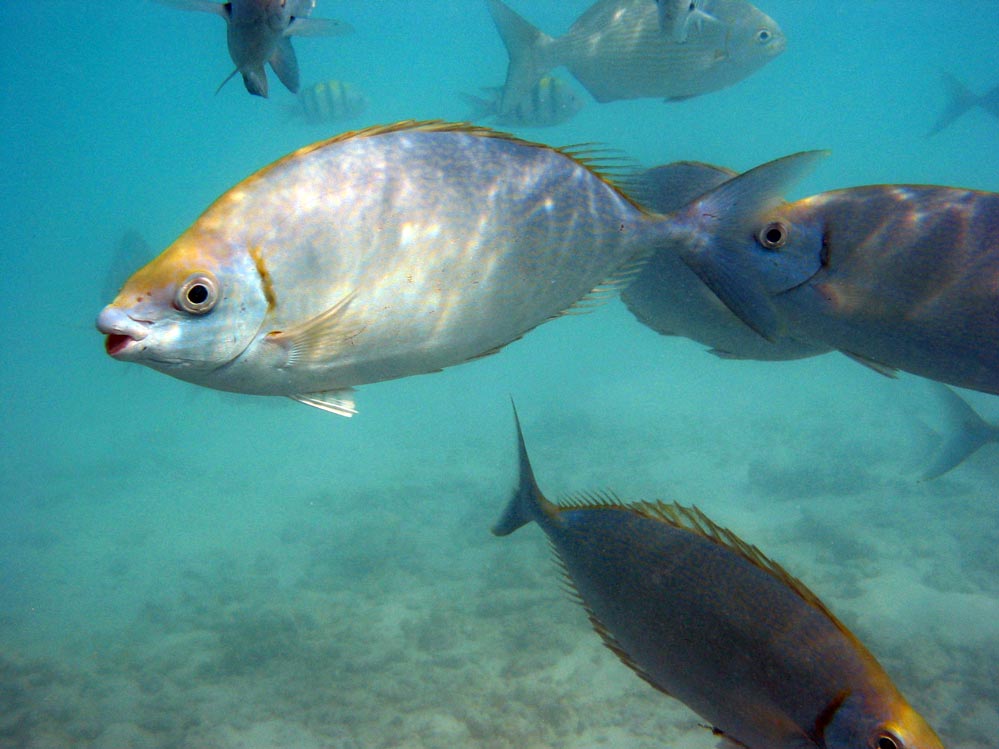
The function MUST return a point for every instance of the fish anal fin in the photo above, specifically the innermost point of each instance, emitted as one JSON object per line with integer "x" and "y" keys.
{"x": 319, "y": 338}
{"x": 339, "y": 402}
{"x": 285, "y": 64}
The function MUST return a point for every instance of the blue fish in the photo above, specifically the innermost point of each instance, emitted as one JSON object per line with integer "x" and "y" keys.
{"x": 706, "y": 618}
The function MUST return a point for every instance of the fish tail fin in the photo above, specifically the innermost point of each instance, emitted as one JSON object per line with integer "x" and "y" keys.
{"x": 967, "y": 432}
{"x": 525, "y": 45}
{"x": 959, "y": 100}
{"x": 526, "y": 501}
{"x": 717, "y": 224}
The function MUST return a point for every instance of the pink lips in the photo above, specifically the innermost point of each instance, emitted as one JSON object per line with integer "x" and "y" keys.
{"x": 115, "y": 343}
{"x": 121, "y": 329}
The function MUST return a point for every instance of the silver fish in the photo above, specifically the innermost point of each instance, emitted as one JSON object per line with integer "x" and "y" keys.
{"x": 378, "y": 254}
{"x": 960, "y": 100}
{"x": 895, "y": 276}
{"x": 329, "y": 102}
{"x": 669, "y": 297}
{"x": 551, "y": 102}
{"x": 678, "y": 17}
{"x": 708, "y": 619}
{"x": 617, "y": 50}
{"x": 258, "y": 31}
{"x": 967, "y": 432}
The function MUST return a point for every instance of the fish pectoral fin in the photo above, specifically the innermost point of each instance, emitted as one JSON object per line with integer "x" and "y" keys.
{"x": 339, "y": 402}
{"x": 319, "y": 338}
{"x": 285, "y": 64}
{"x": 881, "y": 369}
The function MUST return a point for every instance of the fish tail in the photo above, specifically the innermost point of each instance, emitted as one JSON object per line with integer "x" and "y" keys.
{"x": 527, "y": 501}
{"x": 959, "y": 100}
{"x": 717, "y": 224}
{"x": 524, "y": 45}
{"x": 968, "y": 432}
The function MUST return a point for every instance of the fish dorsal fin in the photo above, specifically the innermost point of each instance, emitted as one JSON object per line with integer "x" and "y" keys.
{"x": 319, "y": 338}
{"x": 339, "y": 402}
{"x": 693, "y": 520}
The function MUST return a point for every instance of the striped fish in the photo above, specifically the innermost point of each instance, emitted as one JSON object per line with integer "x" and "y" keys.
{"x": 617, "y": 50}
{"x": 330, "y": 101}
{"x": 551, "y": 101}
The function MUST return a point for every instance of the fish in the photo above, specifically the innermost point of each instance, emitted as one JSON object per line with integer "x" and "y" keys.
{"x": 706, "y": 618}
{"x": 897, "y": 277}
{"x": 617, "y": 50}
{"x": 676, "y": 17}
{"x": 967, "y": 432}
{"x": 551, "y": 102}
{"x": 258, "y": 32}
{"x": 330, "y": 101}
{"x": 961, "y": 99}
{"x": 380, "y": 253}
{"x": 670, "y": 298}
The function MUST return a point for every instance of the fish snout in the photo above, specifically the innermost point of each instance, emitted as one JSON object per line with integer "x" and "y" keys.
{"x": 120, "y": 328}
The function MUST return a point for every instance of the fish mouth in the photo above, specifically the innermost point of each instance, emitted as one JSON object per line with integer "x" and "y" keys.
{"x": 121, "y": 329}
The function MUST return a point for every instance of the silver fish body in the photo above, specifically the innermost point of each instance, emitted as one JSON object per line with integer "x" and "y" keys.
{"x": 617, "y": 50}
{"x": 706, "y": 618}
{"x": 257, "y": 32}
{"x": 668, "y": 297}
{"x": 550, "y": 102}
{"x": 898, "y": 277}
{"x": 375, "y": 255}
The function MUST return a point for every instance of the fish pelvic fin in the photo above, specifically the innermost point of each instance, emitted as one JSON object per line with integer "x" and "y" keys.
{"x": 968, "y": 432}
{"x": 339, "y": 402}
{"x": 527, "y": 502}
{"x": 719, "y": 224}
{"x": 526, "y": 46}
{"x": 226, "y": 80}
{"x": 319, "y": 338}
{"x": 255, "y": 81}
{"x": 285, "y": 64}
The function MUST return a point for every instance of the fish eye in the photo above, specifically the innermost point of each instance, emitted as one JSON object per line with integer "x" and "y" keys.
{"x": 773, "y": 236}
{"x": 885, "y": 740}
{"x": 198, "y": 294}
{"x": 763, "y": 36}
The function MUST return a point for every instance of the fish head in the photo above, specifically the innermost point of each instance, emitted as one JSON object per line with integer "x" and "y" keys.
{"x": 190, "y": 311}
{"x": 753, "y": 39}
{"x": 880, "y": 721}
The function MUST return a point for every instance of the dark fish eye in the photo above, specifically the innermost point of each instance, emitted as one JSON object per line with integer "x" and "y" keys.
{"x": 885, "y": 740}
{"x": 198, "y": 294}
{"x": 763, "y": 36}
{"x": 773, "y": 235}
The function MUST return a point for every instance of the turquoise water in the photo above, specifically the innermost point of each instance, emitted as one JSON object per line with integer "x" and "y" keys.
{"x": 183, "y": 568}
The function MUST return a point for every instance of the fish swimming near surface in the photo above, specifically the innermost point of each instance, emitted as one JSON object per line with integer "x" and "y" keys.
{"x": 967, "y": 432}
{"x": 668, "y": 297}
{"x": 258, "y": 32}
{"x": 551, "y": 102}
{"x": 378, "y": 254}
{"x": 678, "y": 17}
{"x": 617, "y": 50}
{"x": 709, "y": 620}
{"x": 960, "y": 99}
{"x": 329, "y": 102}
{"x": 898, "y": 277}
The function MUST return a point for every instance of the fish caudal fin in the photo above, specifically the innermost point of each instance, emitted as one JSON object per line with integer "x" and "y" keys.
{"x": 959, "y": 101}
{"x": 524, "y": 45}
{"x": 719, "y": 223}
{"x": 285, "y": 64}
{"x": 968, "y": 432}
{"x": 525, "y": 503}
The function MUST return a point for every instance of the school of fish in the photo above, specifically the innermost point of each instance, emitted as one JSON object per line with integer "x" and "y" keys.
{"x": 402, "y": 249}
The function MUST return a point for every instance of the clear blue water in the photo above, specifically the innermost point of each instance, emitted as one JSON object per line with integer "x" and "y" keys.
{"x": 182, "y": 568}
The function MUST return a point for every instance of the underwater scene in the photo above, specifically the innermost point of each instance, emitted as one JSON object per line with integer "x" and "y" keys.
{"x": 256, "y": 494}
